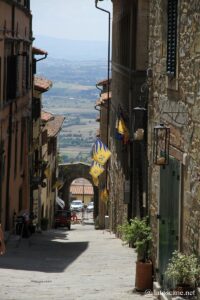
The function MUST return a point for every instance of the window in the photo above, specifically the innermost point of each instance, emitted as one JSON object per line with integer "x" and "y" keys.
{"x": 172, "y": 37}
{"x": 11, "y": 77}
{"x": 27, "y": 4}
{"x": 26, "y": 80}
{"x": 121, "y": 50}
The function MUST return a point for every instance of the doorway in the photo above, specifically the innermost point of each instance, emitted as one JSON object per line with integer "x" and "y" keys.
{"x": 169, "y": 216}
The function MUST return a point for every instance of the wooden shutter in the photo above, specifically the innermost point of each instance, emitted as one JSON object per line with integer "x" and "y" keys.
{"x": 11, "y": 82}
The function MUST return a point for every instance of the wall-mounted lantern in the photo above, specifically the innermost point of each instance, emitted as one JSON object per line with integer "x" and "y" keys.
{"x": 161, "y": 140}
{"x": 139, "y": 115}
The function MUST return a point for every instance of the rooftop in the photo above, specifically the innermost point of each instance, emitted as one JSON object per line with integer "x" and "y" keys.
{"x": 42, "y": 84}
{"x": 38, "y": 51}
{"x": 54, "y": 125}
{"x": 103, "y": 82}
{"x": 46, "y": 116}
{"x": 105, "y": 96}
{"x": 80, "y": 189}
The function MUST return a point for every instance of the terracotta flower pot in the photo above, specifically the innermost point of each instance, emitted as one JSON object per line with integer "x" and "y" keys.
{"x": 143, "y": 277}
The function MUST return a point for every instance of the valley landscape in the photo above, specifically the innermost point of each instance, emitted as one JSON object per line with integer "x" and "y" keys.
{"x": 73, "y": 95}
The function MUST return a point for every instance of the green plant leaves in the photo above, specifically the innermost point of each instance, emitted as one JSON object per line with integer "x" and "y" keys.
{"x": 183, "y": 268}
{"x": 137, "y": 233}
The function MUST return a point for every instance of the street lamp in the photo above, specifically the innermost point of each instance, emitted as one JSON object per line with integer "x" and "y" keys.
{"x": 161, "y": 140}
{"x": 139, "y": 114}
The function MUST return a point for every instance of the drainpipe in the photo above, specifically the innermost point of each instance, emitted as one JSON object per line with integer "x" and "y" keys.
{"x": 44, "y": 57}
{"x": 95, "y": 107}
{"x": 99, "y": 88}
{"x": 108, "y": 78}
{"x": 108, "y": 67}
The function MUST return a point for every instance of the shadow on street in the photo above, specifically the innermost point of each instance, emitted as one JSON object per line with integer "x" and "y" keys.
{"x": 49, "y": 252}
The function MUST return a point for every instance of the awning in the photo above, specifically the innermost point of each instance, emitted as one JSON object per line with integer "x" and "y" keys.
{"x": 60, "y": 202}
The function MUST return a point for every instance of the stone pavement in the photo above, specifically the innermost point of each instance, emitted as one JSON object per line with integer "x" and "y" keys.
{"x": 83, "y": 264}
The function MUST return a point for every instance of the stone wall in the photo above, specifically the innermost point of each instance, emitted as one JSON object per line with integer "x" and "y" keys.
{"x": 117, "y": 208}
{"x": 176, "y": 102}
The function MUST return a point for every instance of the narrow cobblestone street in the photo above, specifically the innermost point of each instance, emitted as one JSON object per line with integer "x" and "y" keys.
{"x": 79, "y": 264}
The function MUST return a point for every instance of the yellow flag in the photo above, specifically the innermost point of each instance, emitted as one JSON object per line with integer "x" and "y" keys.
{"x": 47, "y": 172}
{"x": 104, "y": 195}
{"x": 100, "y": 152}
{"x": 123, "y": 130}
{"x": 95, "y": 181}
{"x": 96, "y": 169}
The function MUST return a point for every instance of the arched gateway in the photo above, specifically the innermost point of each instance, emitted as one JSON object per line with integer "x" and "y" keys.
{"x": 69, "y": 172}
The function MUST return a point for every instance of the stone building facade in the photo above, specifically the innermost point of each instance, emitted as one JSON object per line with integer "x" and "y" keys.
{"x": 41, "y": 85}
{"x": 128, "y": 163}
{"x": 52, "y": 125}
{"x": 174, "y": 98}
{"x": 15, "y": 108}
{"x": 103, "y": 105}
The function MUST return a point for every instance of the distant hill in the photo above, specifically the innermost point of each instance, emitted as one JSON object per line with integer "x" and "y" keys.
{"x": 72, "y": 50}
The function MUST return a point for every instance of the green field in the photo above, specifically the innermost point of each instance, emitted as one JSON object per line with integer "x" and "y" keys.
{"x": 74, "y": 95}
{"x": 72, "y": 86}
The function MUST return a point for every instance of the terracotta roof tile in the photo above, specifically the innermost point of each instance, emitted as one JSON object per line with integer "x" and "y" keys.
{"x": 38, "y": 51}
{"x": 105, "y": 96}
{"x": 80, "y": 189}
{"x": 46, "y": 116}
{"x": 103, "y": 82}
{"x": 54, "y": 125}
{"x": 42, "y": 84}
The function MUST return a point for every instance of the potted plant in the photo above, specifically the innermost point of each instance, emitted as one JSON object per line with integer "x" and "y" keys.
{"x": 137, "y": 233}
{"x": 185, "y": 271}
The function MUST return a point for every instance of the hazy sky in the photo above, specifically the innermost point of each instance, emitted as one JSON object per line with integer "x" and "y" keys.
{"x": 71, "y": 19}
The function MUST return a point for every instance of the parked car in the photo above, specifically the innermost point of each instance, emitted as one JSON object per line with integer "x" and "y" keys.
{"x": 62, "y": 219}
{"x": 90, "y": 207}
{"x": 76, "y": 205}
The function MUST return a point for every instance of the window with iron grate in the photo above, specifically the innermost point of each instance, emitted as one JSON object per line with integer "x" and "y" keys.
{"x": 172, "y": 37}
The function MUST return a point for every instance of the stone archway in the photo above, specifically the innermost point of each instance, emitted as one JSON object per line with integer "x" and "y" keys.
{"x": 68, "y": 173}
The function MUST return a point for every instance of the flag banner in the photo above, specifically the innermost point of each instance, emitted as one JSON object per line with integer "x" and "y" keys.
{"x": 104, "y": 195}
{"x": 95, "y": 181}
{"x": 47, "y": 172}
{"x": 122, "y": 132}
{"x": 118, "y": 135}
{"x": 100, "y": 152}
{"x": 96, "y": 169}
